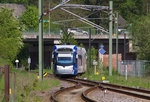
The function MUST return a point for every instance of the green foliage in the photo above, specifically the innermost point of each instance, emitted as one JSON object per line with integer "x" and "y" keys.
{"x": 30, "y": 18}
{"x": 10, "y": 35}
{"x": 93, "y": 57}
{"x": 43, "y": 86}
{"x": 81, "y": 45}
{"x": 3, "y": 62}
{"x": 67, "y": 38}
{"x": 130, "y": 9}
{"x": 141, "y": 36}
{"x": 19, "y": 1}
{"x": 24, "y": 55}
{"x": 27, "y": 2}
{"x": 27, "y": 86}
{"x": 2, "y": 90}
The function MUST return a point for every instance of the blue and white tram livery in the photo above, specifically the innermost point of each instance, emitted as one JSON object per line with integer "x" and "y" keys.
{"x": 69, "y": 60}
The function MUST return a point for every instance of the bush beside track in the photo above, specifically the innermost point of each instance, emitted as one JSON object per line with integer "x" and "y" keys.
{"x": 27, "y": 87}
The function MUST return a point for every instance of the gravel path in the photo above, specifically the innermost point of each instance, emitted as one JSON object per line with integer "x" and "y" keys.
{"x": 109, "y": 96}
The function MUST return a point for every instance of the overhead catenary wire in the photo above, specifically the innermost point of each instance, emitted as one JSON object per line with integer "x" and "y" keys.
{"x": 69, "y": 20}
{"x": 87, "y": 21}
{"x": 82, "y": 19}
{"x": 62, "y": 3}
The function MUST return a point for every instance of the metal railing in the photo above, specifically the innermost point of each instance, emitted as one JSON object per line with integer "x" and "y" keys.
{"x": 45, "y": 31}
{"x": 58, "y": 31}
{"x": 139, "y": 68}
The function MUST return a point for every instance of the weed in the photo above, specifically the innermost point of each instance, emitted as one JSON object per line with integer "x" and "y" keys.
{"x": 25, "y": 83}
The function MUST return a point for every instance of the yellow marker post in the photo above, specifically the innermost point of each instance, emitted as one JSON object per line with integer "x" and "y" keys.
{"x": 97, "y": 73}
{"x": 38, "y": 77}
{"x": 114, "y": 34}
{"x": 45, "y": 74}
{"x": 10, "y": 91}
{"x": 103, "y": 78}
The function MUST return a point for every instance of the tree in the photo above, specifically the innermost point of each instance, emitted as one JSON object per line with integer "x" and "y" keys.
{"x": 15, "y": 1}
{"x": 93, "y": 57}
{"x": 10, "y": 35}
{"x": 30, "y": 18}
{"x": 67, "y": 37}
{"x": 25, "y": 2}
{"x": 130, "y": 9}
{"x": 141, "y": 36}
{"x": 23, "y": 55}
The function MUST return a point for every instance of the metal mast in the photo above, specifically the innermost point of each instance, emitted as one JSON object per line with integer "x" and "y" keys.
{"x": 110, "y": 37}
{"x": 40, "y": 39}
{"x": 117, "y": 40}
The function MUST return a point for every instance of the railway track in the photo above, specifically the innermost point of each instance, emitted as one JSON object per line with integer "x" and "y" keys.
{"x": 140, "y": 93}
{"x": 70, "y": 94}
{"x": 83, "y": 88}
{"x": 136, "y": 92}
{"x": 74, "y": 93}
{"x": 86, "y": 87}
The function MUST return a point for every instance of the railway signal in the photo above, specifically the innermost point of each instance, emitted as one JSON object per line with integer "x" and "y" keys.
{"x": 101, "y": 51}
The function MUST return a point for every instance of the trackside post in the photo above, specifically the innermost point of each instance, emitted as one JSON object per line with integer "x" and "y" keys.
{"x": 7, "y": 83}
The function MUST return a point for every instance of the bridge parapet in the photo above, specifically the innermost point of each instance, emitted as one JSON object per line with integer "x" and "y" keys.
{"x": 34, "y": 35}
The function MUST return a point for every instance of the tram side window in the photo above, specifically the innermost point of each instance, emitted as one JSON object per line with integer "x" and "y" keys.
{"x": 75, "y": 59}
{"x": 80, "y": 60}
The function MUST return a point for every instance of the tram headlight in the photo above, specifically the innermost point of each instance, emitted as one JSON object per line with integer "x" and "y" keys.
{"x": 59, "y": 67}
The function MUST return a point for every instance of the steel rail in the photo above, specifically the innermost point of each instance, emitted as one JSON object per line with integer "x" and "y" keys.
{"x": 54, "y": 94}
{"x": 85, "y": 97}
{"x": 117, "y": 86}
{"x": 129, "y": 93}
{"x": 126, "y": 88}
{"x": 136, "y": 92}
{"x": 83, "y": 82}
{"x": 139, "y": 93}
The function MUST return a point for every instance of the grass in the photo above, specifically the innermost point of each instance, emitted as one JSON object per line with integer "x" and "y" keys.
{"x": 1, "y": 87}
{"x": 141, "y": 82}
{"x": 46, "y": 84}
{"x": 26, "y": 83}
{"x": 2, "y": 63}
